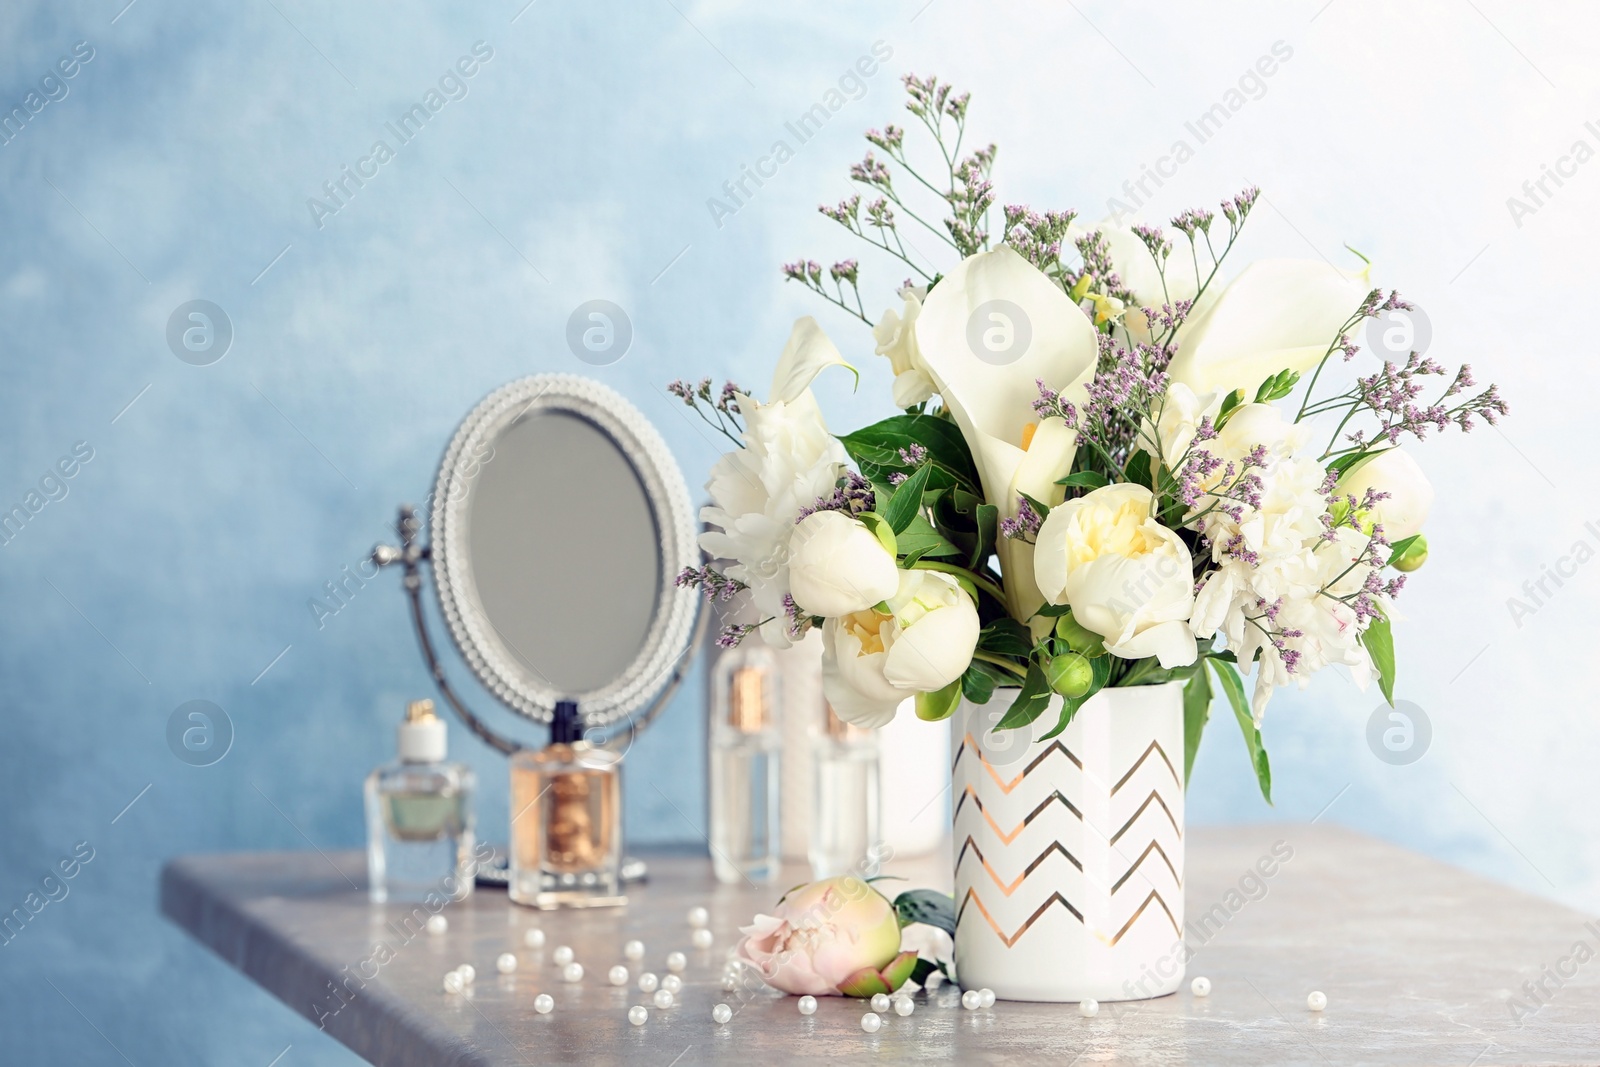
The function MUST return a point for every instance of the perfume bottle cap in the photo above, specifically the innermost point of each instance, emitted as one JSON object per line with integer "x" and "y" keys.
{"x": 566, "y": 728}
{"x": 422, "y": 735}
{"x": 747, "y": 700}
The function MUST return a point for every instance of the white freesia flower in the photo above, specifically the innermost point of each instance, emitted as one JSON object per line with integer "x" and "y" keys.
{"x": 872, "y": 660}
{"x": 993, "y": 403}
{"x": 1410, "y": 497}
{"x": 896, "y": 337}
{"x": 1126, "y": 577}
{"x": 788, "y": 461}
{"x": 1179, "y": 418}
{"x": 837, "y": 566}
{"x": 1278, "y": 314}
{"x": 1137, "y": 271}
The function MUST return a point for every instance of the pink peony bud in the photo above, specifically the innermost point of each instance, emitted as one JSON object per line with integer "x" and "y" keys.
{"x": 839, "y": 932}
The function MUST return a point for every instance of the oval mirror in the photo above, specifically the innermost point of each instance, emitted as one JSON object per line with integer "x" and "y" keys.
{"x": 559, "y": 525}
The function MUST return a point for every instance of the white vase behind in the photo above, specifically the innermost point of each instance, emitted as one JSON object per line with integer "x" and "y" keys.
{"x": 1069, "y": 852}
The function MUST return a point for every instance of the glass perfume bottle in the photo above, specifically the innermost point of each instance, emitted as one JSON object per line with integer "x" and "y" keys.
{"x": 419, "y": 816}
{"x": 566, "y": 821}
{"x": 745, "y": 740}
{"x": 845, "y": 833}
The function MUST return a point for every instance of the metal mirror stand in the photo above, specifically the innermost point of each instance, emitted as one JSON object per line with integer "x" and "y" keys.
{"x": 410, "y": 556}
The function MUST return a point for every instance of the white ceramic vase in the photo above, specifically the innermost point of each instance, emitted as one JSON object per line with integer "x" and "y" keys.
{"x": 1069, "y": 852}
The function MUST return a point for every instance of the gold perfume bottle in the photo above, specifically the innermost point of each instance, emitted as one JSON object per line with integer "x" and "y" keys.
{"x": 566, "y": 821}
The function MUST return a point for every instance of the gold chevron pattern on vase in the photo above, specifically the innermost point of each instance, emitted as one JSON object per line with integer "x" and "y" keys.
{"x": 1076, "y": 857}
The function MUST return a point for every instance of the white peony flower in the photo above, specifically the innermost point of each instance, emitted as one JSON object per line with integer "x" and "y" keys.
{"x": 896, "y": 337}
{"x": 788, "y": 461}
{"x": 872, "y": 660}
{"x": 1410, "y": 497}
{"x": 837, "y": 566}
{"x": 1126, "y": 577}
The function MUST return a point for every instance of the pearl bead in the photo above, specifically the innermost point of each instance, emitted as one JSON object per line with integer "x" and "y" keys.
{"x": 1088, "y": 1007}
{"x": 808, "y": 1005}
{"x": 986, "y": 997}
{"x": 698, "y": 917}
{"x": 972, "y": 1000}
{"x": 1317, "y": 1001}
{"x": 730, "y": 982}
{"x": 880, "y": 1002}
{"x": 871, "y": 1023}
{"x": 904, "y": 1005}
{"x": 633, "y": 950}
{"x": 648, "y": 982}
{"x": 1201, "y": 987}
{"x": 544, "y": 1004}
{"x": 701, "y": 938}
{"x": 572, "y": 972}
{"x": 438, "y": 924}
{"x": 617, "y": 975}
{"x": 453, "y": 982}
{"x": 663, "y": 998}
{"x": 721, "y": 1013}
{"x": 505, "y": 963}
{"x": 533, "y": 938}
{"x": 562, "y": 955}
{"x": 638, "y": 1015}
{"x": 672, "y": 984}
{"x": 468, "y": 973}
{"x": 676, "y": 962}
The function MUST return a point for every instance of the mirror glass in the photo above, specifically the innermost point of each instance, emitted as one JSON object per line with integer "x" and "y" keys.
{"x": 564, "y": 550}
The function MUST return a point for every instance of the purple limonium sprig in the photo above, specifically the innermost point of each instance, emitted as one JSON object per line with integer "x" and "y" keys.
{"x": 913, "y": 455}
{"x": 853, "y": 495}
{"x": 1025, "y": 526}
{"x": 715, "y": 585}
{"x": 731, "y": 635}
{"x": 719, "y": 410}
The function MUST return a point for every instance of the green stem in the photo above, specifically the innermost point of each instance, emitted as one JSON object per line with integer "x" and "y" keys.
{"x": 999, "y": 661}
{"x": 976, "y": 579}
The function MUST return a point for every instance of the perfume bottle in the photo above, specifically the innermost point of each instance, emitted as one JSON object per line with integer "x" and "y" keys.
{"x": 419, "y": 817}
{"x": 745, "y": 741}
{"x": 566, "y": 820}
{"x": 845, "y": 833}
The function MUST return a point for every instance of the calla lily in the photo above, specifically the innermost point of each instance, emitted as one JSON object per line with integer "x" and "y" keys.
{"x": 1278, "y": 314}
{"x": 808, "y": 354}
{"x": 993, "y": 404}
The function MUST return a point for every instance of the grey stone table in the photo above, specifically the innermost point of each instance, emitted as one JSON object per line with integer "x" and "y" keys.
{"x": 1421, "y": 964}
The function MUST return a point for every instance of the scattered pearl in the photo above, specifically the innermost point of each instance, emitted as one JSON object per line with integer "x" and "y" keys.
{"x": 562, "y": 955}
{"x": 676, "y": 962}
{"x": 808, "y": 1005}
{"x": 572, "y": 972}
{"x": 505, "y": 963}
{"x": 672, "y": 984}
{"x": 721, "y": 1013}
{"x": 468, "y": 973}
{"x": 648, "y": 982}
{"x": 986, "y": 996}
{"x": 633, "y": 950}
{"x": 533, "y": 938}
{"x": 1317, "y": 1001}
{"x": 904, "y": 1006}
{"x": 972, "y": 1000}
{"x": 638, "y": 1015}
{"x": 618, "y": 975}
{"x": 880, "y": 1002}
{"x": 1088, "y": 1007}
{"x": 544, "y": 1004}
{"x": 438, "y": 924}
{"x": 1201, "y": 987}
{"x": 453, "y": 982}
{"x": 699, "y": 917}
{"x": 730, "y": 982}
{"x": 701, "y": 938}
{"x": 871, "y": 1023}
{"x": 663, "y": 999}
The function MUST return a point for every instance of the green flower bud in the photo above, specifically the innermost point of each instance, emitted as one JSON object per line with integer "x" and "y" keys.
{"x": 1070, "y": 675}
{"x": 1414, "y": 556}
{"x": 1078, "y": 637}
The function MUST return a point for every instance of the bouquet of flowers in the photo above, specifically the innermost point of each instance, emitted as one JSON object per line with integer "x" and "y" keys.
{"x": 1111, "y": 466}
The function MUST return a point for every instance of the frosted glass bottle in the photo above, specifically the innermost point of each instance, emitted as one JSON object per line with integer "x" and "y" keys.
{"x": 419, "y": 817}
{"x": 846, "y": 836}
{"x": 745, "y": 740}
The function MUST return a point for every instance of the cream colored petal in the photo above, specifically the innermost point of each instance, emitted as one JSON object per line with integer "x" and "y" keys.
{"x": 1172, "y": 643}
{"x": 935, "y": 651}
{"x": 807, "y": 354}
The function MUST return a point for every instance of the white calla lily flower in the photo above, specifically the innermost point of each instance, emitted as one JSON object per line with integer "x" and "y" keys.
{"x": 1410, "y": 498}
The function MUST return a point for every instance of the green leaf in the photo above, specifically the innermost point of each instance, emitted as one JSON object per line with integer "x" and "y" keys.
{"x": 1139, "y": 469}
{"x": 979, "y": 682}
{"x": 927, "y": 906}
{"x": 1343, "y": 464}
{"x": 1040, "y": 508}
{"x": 1006, "y": 636}
{"x": 920, "y": 537}
{"x": 864, "y": 983}
{"x": 1233, "y": 687}
{"x": 988, "y": 523}
{"x": 1398, "y": 549}
{"x": 921, "y": 969}
{"x": 940, "y": 704}
{"x": 878, "y": 447}
{"x": 880, "y": 529}
{"x": 1196, "y": 713}
{"x": 1084, "y": 480}
{"x": 1069, "y": 709}
{"x": 907, "y": 500}
{"x": 1032, "y": 699}
{"x": 1379, "y": 641}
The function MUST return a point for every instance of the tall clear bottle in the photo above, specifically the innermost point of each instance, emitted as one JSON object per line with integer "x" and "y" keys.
{"x": 846, "y": 834}
{"x": 745, "y": 741}
{"x": 419, "y": 817}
